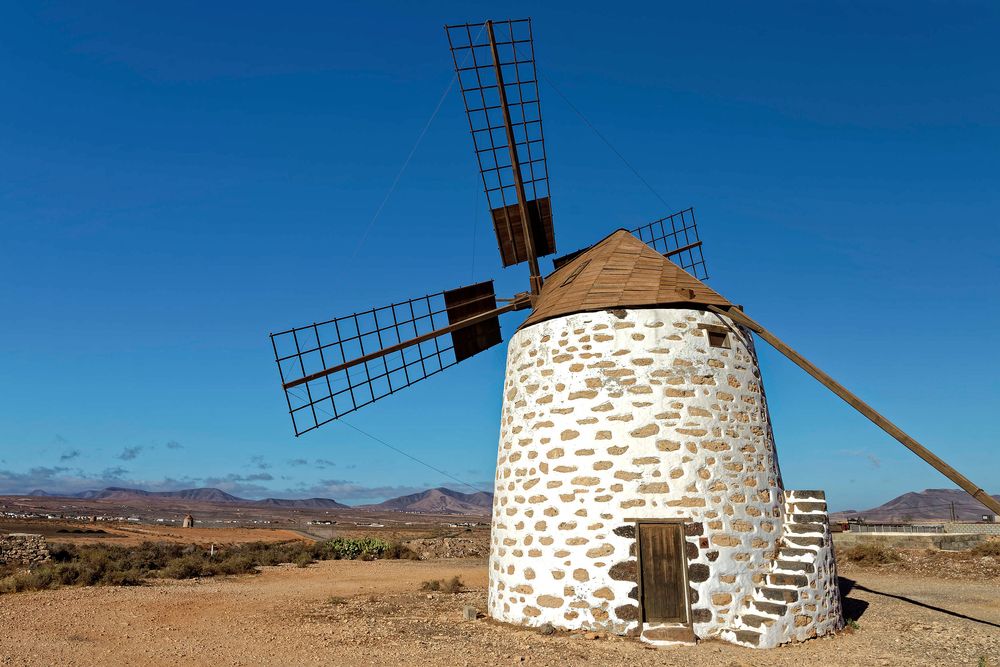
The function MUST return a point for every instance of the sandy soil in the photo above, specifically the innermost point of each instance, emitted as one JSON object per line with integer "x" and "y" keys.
{"x": 372, "y": 613}
{"x": 131, "y": 534}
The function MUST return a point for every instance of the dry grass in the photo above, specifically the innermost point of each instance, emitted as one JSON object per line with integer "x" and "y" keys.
{"x": 114, "y": 565}
{"x": 991, "y": 548}
{"x": 870, "y": 554}
{"x": 452, "y": 585}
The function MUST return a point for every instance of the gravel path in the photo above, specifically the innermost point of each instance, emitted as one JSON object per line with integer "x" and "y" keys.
{"x": 371, "y": 613}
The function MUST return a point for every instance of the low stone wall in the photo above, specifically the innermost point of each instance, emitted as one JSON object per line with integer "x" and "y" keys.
{"x": 23, "y": 548}
{"x": 974, "y": 528}
{"x": 943, "y": 541}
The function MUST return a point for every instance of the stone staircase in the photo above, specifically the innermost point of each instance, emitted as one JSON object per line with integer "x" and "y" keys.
{"x": 798, "y": 597}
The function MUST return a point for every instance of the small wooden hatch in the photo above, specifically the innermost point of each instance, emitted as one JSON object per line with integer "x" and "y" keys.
{"x": 662, "y": 572}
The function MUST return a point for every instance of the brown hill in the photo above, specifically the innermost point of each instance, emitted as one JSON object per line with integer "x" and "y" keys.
{"x": 929, "y": 504}
{"x": 203, "y": 495}
{"x": 125, "y": 495}
{"x": 301, "y": 503}
{"x": 439, "y": 501}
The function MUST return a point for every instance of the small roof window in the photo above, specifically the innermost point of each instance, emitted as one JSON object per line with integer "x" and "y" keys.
{"x": 717, "y": 336}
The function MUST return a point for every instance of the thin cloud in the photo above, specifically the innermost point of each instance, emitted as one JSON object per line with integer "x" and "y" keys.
{"x": 232, "y": 479}
{"x": 260, "y": 462}
{"x": 241, "y": 485}
{"x": 875, "y": 461}
{"x": 70, "y": 455}
{"x": 298, "y": 462}
{"x": 342, "y": 489}
{"x": 130, "y": 453}
{"x": 173, "y": 444}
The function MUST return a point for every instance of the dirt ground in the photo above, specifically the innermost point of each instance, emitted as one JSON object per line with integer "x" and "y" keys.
{"x": 132, "y": 534}
{"x": 372, "y": 613}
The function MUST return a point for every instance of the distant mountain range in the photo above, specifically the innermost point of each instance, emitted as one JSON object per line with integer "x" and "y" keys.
{"x": 923, "y": 505}
{"x": 930, "y": 504}
{"x": 432, "y": 501}
{"x": 198, "y": 495}
{"x": 204, "y": 495}
{"x": 438, "y": 501}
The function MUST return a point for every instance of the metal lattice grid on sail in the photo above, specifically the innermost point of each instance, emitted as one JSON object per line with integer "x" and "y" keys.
{"x": 676, "y": 237}
{"x": 331, "y": 368}
{"x": 479, "y": 75}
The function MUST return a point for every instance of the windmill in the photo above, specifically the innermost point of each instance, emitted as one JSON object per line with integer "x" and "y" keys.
{"x": 637, "y": 486}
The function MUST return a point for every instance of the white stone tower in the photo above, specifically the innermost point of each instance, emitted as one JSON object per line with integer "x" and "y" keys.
{"x": 638, "y": 488}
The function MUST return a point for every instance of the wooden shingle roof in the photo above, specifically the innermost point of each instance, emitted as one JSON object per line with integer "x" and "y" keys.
{"x": 619, "y": 272}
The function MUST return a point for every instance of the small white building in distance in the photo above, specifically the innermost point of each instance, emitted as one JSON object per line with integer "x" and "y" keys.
{"x": 638, "y": 490}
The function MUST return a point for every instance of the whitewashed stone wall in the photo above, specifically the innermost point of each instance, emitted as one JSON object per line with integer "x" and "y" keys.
{"x": 630, "y": 414}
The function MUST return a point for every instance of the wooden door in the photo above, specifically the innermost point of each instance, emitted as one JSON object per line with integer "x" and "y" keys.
{"x": 662, "y": 573}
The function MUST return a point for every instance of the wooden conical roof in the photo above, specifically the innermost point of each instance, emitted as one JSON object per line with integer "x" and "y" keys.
{"x": 619, "y": 272}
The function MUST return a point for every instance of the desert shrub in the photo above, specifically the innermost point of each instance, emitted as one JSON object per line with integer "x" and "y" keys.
{"x": 991, "y": 548}
{"x": 15, "y": 583}
{"x": 237, "y": 563}
{"x": 123, "y": 578}
{"x": 453, "y": 585}
{"x": 62, "y": 553}
{"x": 397, "y": 551}
{"x": 116, "y": 565}
{"x": 871, "y": 554}
{"x": 187, "y": 567}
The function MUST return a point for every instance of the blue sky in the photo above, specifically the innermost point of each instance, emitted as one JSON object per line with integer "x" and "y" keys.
{"x": 177, "y": 182}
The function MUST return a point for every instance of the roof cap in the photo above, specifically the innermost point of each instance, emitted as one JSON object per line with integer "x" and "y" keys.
{"x": 620, "y": 271}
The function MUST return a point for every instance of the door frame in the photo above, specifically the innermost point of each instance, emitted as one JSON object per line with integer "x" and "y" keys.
{"x": 684, "y": 570}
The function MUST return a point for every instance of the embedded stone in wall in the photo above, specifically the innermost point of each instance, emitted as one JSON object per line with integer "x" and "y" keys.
{"x": 23, "y": 549}
{"x": 656, "y": 426}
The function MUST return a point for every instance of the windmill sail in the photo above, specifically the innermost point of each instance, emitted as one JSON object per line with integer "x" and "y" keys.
{"x": 676, "y": 237}
{"x": 506, "y": 125}
{"x": 332, "y": 368}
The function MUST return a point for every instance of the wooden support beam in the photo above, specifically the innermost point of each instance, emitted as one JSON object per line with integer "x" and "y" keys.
{"x": 515, "y": 164}
{"x": 927, "y": 455}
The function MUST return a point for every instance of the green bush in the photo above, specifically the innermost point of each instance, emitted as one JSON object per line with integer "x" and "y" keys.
{"x": 345, "y": 548}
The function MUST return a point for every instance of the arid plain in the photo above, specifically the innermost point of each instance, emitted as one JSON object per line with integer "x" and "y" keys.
{"x": 925, "y": 608}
